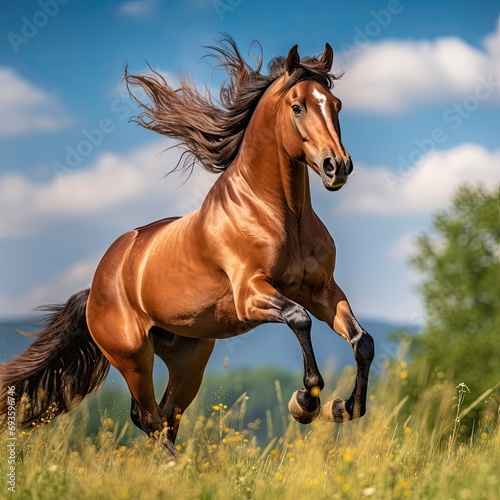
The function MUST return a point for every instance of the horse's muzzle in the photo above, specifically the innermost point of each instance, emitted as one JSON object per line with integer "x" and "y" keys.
{"x": 334, "y": 172}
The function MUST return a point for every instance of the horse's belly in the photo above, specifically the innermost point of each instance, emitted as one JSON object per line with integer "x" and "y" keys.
{"x": 200, "y": 309}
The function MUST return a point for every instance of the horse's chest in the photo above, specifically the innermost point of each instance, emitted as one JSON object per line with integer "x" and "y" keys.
{"x": 318, "y": 262}
{"x": 309, "y": 268}
{"x": 291, "y": 278}
{"x": 316, "y": 272}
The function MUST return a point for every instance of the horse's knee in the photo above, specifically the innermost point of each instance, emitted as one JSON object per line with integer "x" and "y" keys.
{"x": 296, "y": 317}
{"x": 364, "y": 349}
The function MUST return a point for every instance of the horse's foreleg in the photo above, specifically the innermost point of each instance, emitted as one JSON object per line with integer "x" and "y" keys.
{"x": 186, "y": 360}
{"x": 331, "y": 306}
{"x": 259, "y": 301}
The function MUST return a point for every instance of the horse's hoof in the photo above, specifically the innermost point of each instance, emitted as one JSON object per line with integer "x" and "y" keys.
{"x": 335, "y": 411}
{"x": 164, "y": 442}
{"x": 171, "y": 451}
{"x": 298, "y": 412}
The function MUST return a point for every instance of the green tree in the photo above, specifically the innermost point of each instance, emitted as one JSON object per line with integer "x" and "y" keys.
{"x": 460, "y": 262}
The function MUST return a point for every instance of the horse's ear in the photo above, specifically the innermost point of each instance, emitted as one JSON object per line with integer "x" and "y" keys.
{"x": 327, "y": 57}
{"x": 293, "y": 60}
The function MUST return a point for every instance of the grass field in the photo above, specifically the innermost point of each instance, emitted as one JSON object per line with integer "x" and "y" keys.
{"x": 395, "y": 451}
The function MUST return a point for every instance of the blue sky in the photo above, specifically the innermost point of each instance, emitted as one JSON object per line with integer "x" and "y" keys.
{"x": 421, "y": 97}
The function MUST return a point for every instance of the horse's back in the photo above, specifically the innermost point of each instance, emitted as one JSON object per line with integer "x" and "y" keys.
{"x": 130, "y": 247}
{"x": 162, "y": 274}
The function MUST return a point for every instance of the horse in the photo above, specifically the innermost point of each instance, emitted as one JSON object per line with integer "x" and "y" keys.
{"x": 254, "y": 252}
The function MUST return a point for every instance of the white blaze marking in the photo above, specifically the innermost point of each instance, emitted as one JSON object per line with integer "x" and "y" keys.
{"x": 321, "y": 101}
{"x": 321, "y": 98}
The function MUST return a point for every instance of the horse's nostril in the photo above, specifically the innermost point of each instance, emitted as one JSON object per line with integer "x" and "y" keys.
{"x": 328, "y": 166}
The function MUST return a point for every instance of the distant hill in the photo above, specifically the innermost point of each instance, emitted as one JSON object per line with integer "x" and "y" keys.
{"x": 276, "y": 345}
{"x": 269, "y": 345}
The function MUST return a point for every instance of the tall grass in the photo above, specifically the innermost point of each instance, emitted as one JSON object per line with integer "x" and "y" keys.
{"x": 395, "y": 451}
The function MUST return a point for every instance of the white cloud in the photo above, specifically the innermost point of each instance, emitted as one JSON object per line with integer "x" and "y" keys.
{"x": 95, "y": 193}
{"x": 116, "y": 192}
{"x": 403, "y": 247}
{"x": 138, "y": 8}
{"x": 27, "y": 108}
{"x": 396, "y": 76}
{"x": 429, "y": 186}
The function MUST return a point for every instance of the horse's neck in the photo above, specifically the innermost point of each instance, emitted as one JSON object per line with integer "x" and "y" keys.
{"x": 262, "y": 172}
{"x": 268, "y": 178}
{"x": 262, "y": 168}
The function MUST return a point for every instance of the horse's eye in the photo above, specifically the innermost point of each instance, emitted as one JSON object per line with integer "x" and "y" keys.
{"x": 297, "y": 109}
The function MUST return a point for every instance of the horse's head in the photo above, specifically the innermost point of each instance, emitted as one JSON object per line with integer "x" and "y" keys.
{"x": 311, "y": 128}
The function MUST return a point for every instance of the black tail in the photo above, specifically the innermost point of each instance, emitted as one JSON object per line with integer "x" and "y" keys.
{"x": 57, "y": 370}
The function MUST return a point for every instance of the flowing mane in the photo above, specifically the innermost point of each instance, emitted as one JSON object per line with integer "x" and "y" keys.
{"x": 211, "y": 130}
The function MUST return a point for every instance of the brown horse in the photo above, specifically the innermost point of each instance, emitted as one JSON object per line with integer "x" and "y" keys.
{"x": 254, "y": 252}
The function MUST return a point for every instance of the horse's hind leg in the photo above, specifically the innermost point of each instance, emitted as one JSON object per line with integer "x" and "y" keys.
{"x": 137, "y": 369}
{"x": 133, "y": 356}
{"x": 186, "y": 360}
